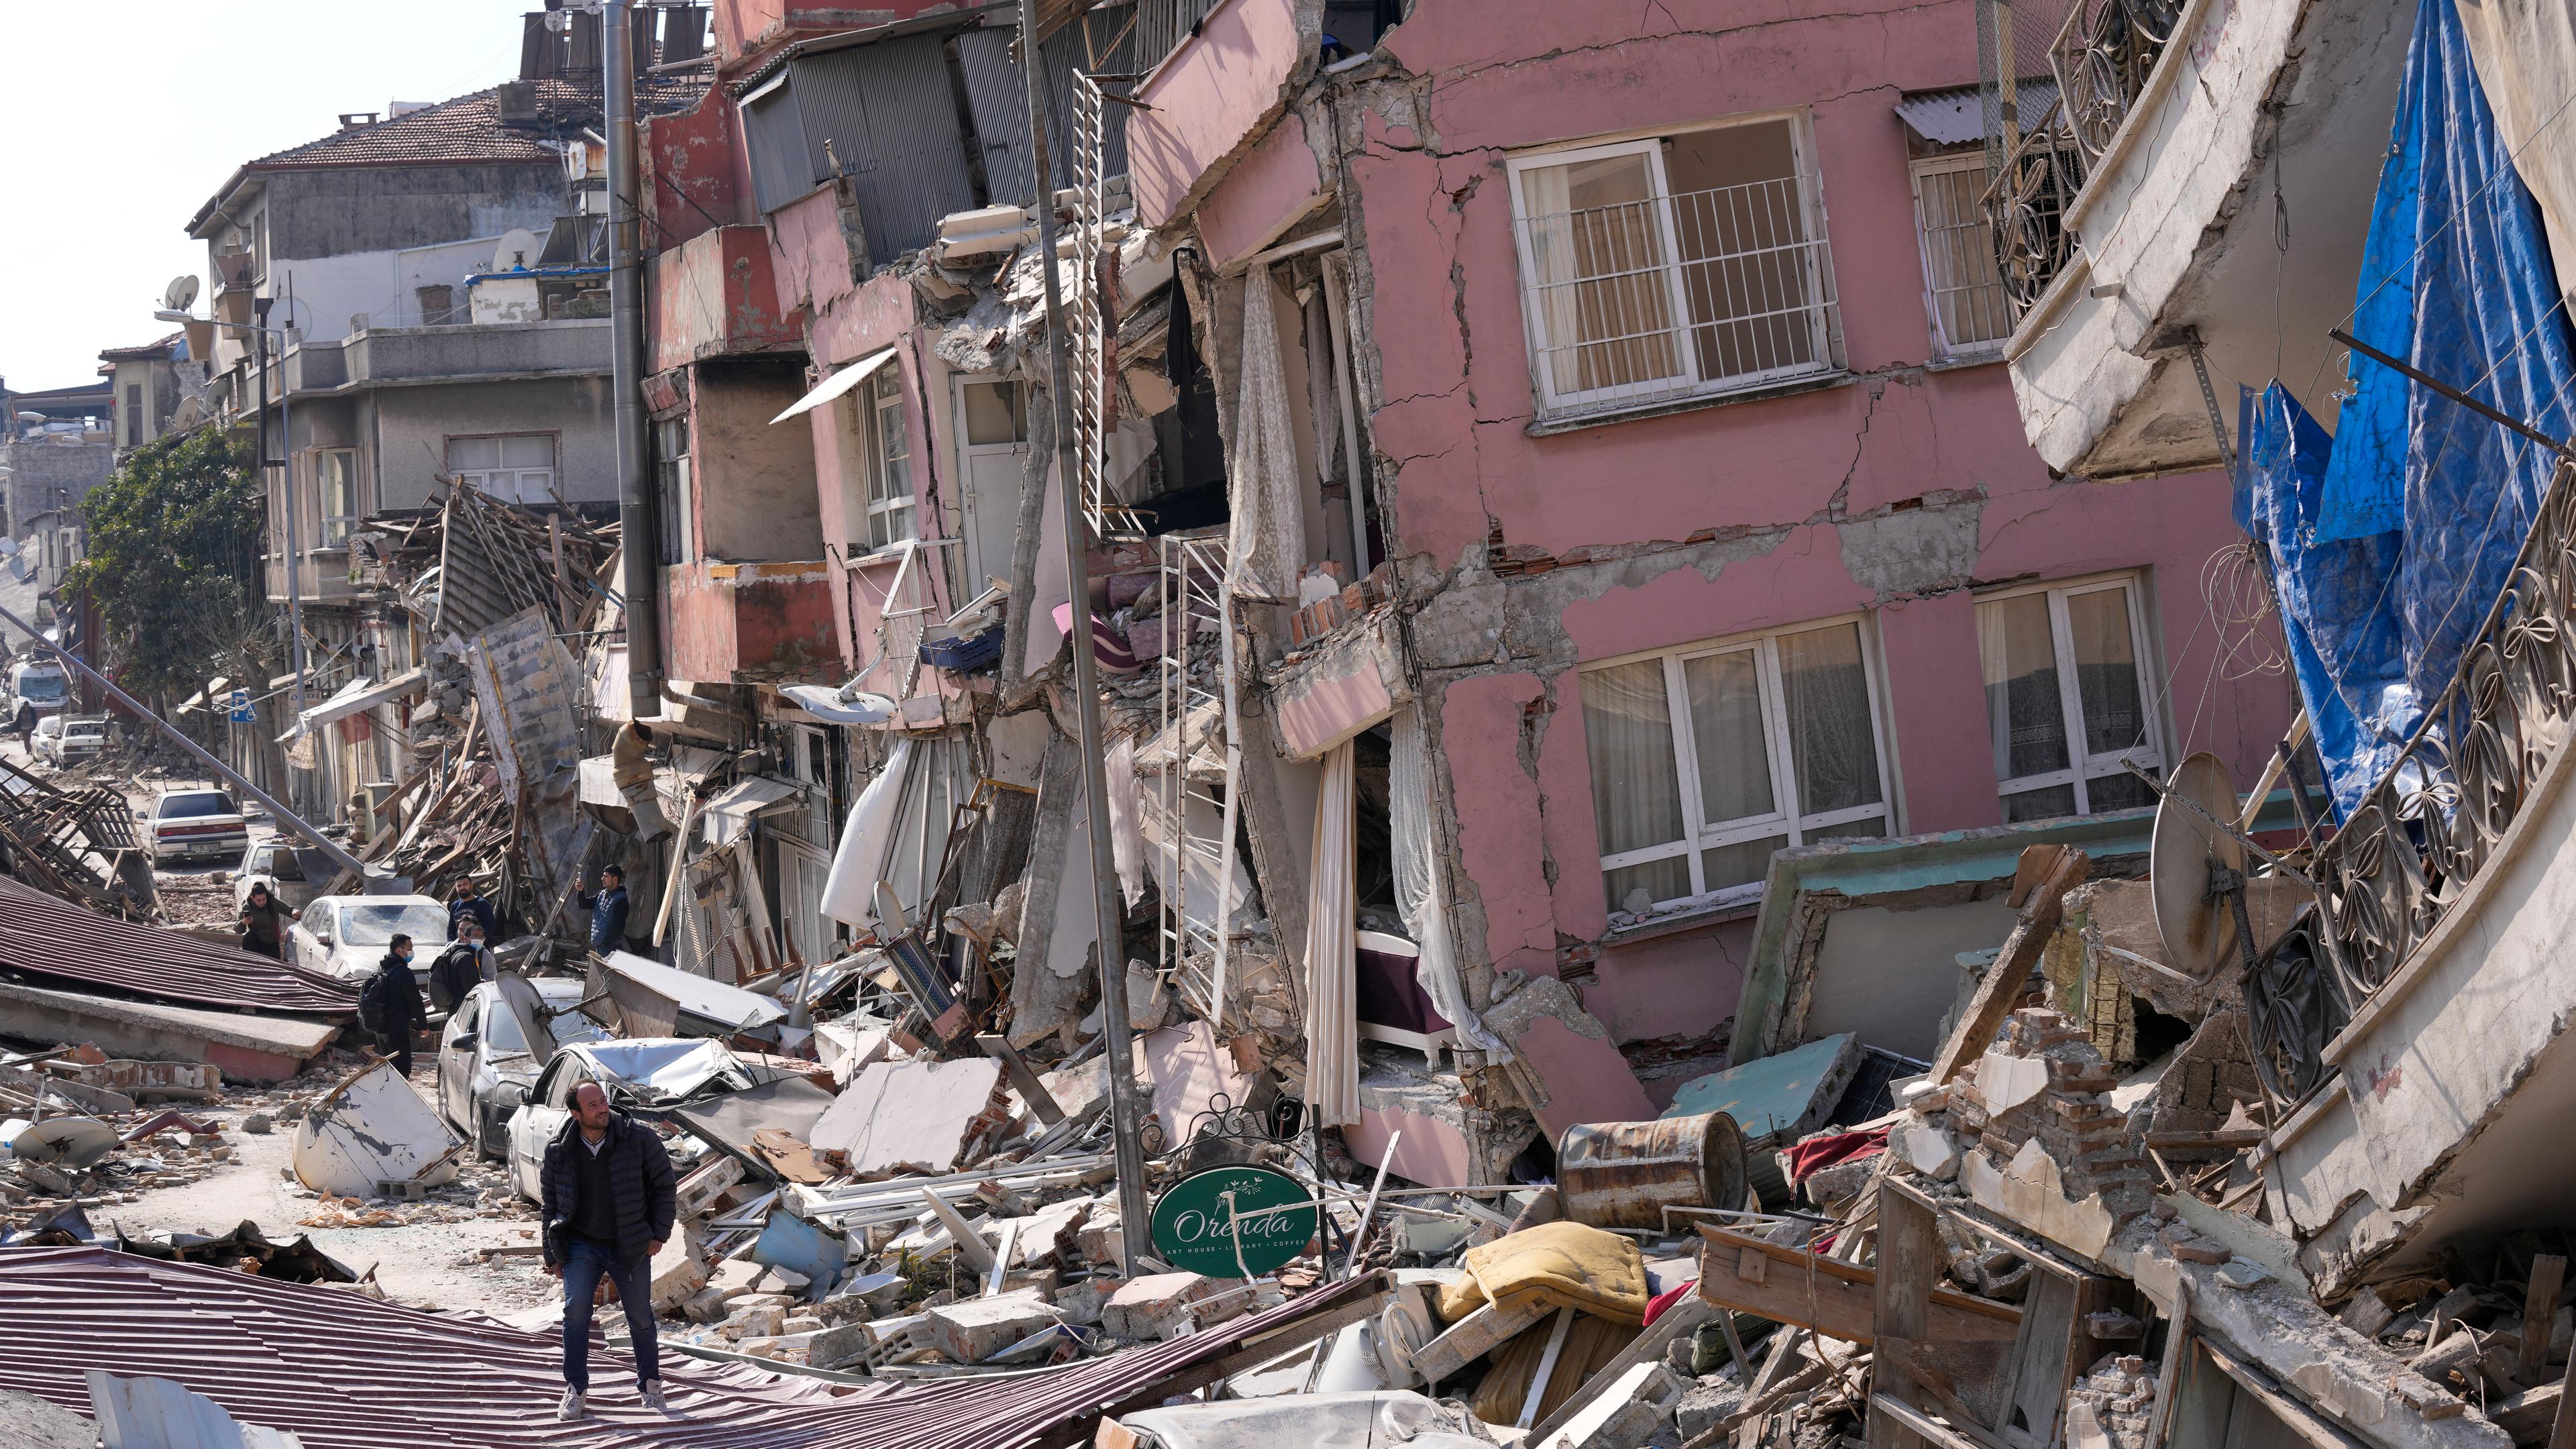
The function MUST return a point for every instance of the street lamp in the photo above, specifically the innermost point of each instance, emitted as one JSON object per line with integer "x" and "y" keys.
{"x": 182, "y": 291}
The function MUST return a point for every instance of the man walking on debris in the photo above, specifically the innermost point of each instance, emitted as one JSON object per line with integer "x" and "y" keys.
{"x": 610, "y": 1200}
{"x": 263, "y": 923}
{"x": 389, "y": 1004}
{"x": 469, "y": 905}
{"x": 608, "y": 908}
{"x": 460, "y": 968}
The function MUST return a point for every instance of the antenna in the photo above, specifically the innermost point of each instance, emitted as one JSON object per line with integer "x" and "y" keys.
{"x": 181, "y": 294}
{"x": 2195, "y": 870}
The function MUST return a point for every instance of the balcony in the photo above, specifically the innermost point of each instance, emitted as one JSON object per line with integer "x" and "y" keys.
{"x": 503, "y": 351}
{"x": 2423, "y": 1032}
{"x": 717, "y": 294}
{"x": 2182, "y": 203}
{"x": 741, "y": 623}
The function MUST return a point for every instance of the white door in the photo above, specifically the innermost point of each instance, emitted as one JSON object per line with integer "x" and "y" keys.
{"x": 456, "y": 1066}
{"x": 992, "y": 449}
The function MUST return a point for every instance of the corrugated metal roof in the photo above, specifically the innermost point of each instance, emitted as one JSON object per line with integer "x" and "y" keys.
{"x": 343, "y": 1371}
{"x": 48, "y": 937}
{"x": 1957, "y": 116}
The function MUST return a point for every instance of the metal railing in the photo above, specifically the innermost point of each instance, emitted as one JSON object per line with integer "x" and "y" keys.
{"x": 1676, "y": 296}
{"x": 1161, "y": 26}
{"x": 2431, "y": 825}
{"x": 1194, "y": 699}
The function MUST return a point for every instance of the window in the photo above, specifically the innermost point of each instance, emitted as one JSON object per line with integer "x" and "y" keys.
{"x": 133, "y": 414}
{"x": 1683, "y": 266}
{"x": 518, "y": 468}
{"x": 338, "y": 469}
{"x": 1962, "y": 290}
{"x": 672, "y": 501}
{"x": 437, "y": 306}
{"x": 889, "y": 460}
{"x": 1707, "y": 759}
{"x": 2066, "y": 683}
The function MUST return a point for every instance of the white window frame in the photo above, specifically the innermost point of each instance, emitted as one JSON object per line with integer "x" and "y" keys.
{"x": 336, "y": 527}
{"x": 2149, "y": 756}
{"x": 1942, "y": 347}
{"x": 888, "y": 515}
{"x": 503, "y": 483}
{"x": 1797, "y": 825}
{"x": 969, "y": 454}
{"x": 1685, "y": 384}
{"x": 675, "y": 491}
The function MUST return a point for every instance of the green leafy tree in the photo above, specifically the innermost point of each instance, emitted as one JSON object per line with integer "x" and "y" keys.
{"x": 171, "y": 543}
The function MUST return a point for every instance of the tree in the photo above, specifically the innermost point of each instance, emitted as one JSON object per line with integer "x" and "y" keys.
{"x": 171, "y": 557}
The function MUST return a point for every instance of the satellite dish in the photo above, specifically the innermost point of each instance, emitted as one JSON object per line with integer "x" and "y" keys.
{"x": 2199, "y": 932}
{"x": 518, "y": 250}
{"x": 526, "y": 1007}
{"x": 181, "y": 294}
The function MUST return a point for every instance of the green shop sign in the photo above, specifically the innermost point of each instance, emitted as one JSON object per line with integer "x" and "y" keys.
{"x": 1218, "y": 1222}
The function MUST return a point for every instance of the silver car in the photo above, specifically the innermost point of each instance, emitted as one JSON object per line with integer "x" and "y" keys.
{"x": 643, "y": 1072}
{"x": 485, "y": 1067}
{"x": 345, "y": 936}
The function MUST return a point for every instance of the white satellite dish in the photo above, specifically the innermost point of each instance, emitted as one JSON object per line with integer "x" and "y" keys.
{"x": 181, "y": 294}
{"x": 518, "y": 250}
{"x": 2197, "y": 925}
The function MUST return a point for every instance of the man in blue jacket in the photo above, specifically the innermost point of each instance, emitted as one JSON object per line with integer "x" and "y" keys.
{"x": 610, "y": 1200}
{"x": 608, "y": 908}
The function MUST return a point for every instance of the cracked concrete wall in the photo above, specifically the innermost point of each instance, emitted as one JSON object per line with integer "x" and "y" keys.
{"x": 1891, "y": 493}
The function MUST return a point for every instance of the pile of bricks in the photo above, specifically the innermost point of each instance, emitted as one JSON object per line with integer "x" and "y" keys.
{"x": 2043, "y": 1080}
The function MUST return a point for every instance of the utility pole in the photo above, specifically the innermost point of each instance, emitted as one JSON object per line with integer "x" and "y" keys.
{"x": 626, "y": 370}
{"x": 1135, "y": 1221}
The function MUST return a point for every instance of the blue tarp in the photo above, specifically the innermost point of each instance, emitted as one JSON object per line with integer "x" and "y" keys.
{"x": 2416, "y": 503}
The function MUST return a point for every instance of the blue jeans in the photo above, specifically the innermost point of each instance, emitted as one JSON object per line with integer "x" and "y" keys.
{"x": 588, "y": 1264}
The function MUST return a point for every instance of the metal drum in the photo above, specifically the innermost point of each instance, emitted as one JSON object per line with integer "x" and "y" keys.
{"x": 1624, "y": 1174}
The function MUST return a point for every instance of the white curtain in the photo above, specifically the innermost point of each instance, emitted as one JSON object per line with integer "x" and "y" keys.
{"x": 1266, "y": 540}
{"x": 1420, "y": 892}
{"x": 867, "y": 841}
{"x": 1126, "y": 823}
{"x": 1332, "y": 947}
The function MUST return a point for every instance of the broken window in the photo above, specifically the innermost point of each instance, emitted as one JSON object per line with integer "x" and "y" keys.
{"x": 337, "y": 468}
{"x": 1675, "y": 267}
{"x": 2067, "y": 697}
{"x": 1963, "y": 293}
{"x": 515, "y": 468}
{"x": 889, "y": 460}
{"x": 671, "y": 484}
{"x": 1707, "y": 759}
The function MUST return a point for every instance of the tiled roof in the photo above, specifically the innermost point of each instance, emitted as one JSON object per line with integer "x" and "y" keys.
{"x": 467, "y": 128}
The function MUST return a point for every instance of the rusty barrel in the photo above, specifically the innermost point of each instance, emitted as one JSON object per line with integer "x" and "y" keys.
{"x": 1624, "y": 1174}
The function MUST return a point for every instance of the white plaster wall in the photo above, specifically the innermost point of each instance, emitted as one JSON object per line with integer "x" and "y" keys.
{"x": 381, "y": 285}
{"x": 1892, "y": 975}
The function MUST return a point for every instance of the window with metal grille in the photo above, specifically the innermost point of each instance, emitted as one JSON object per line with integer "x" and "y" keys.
{"x": 514, "y": 468}
{"x": 2067, "y": 696}
{"x": 1664, "y": 269}
{"x": 1963, "y": 293}
{"x": 1708, "y": 758}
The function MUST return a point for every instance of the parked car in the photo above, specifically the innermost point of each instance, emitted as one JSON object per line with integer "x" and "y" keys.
{"x": 193, "y": 824}
{"x": 275, "y": 864}
{"x": 62, "y": 738}
{"x": 485, "y": 1066}
{"x": 345, "y": 936}
{"x": 644, "y": 1072}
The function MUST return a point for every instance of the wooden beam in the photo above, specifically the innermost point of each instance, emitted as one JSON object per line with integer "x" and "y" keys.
{"x": 2539, "y": 1310}
{"x": 2562, "y": 1428}
{"x": 1909, "y": 1269}
{"x": 2002, "y": 984}
{"x": 1834, "y": 1298}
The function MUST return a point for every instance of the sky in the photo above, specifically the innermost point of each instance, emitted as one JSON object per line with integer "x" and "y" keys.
{"x": 124, "y": 119}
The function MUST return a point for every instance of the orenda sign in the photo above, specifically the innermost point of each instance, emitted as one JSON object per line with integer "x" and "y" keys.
{"x": 1234, "y": 1222}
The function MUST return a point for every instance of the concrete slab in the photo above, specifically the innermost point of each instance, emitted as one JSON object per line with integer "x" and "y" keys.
{"x": 246, "y": 1048}
{"x": 909, "y": 1114}
{"x": 1572, "y": 1056}
{"x": 1784, "y": 1096}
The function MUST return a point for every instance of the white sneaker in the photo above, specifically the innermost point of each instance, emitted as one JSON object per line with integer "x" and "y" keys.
{"x": 572, "y": 1406}
{"x": 652, "y": 1392}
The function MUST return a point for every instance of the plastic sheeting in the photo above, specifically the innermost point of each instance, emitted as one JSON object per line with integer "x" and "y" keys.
{"x": 2338, "y": 606}
{"x": 2391, "y": 540}
{"x": 1419, "y": 891}
{"x": 867, "y": 841}
{"x": 2456, "y": 279}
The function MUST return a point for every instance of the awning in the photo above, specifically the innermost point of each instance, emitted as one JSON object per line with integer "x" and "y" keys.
{"x": 1957, "y": 116}
{"x": 729, "y": 815}
{"x": 837, "y": 384}
{"x": 356, "y": 696}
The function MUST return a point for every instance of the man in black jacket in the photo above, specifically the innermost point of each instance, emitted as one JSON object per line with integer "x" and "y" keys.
{"x": 389, "y": 1005}
{"x": 610, "y": 1198}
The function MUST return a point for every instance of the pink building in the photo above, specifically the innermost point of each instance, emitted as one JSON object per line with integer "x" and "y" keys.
{"x": 1605, "y": 408}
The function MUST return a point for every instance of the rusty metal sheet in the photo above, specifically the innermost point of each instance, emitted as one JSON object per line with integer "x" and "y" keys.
{"x": 48, "y": 938}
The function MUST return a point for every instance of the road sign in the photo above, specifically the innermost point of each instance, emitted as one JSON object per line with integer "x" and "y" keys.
{"x": 239, "y": 705}
{"x": 1197, "y": 1222}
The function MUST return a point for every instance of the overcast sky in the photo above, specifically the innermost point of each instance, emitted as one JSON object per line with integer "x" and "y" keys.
{"x": 123, "y": 119}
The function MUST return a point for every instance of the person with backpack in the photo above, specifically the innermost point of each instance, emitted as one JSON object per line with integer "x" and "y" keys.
{"x": 389, "y": 1005}
{"x": 460, "y": 968}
